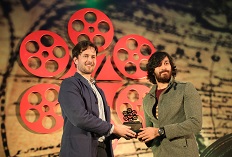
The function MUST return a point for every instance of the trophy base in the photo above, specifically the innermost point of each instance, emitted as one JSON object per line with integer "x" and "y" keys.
{"x": 135, "y": 125}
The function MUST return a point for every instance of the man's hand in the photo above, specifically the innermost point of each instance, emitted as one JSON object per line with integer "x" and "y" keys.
{"x": 148, "y": 134}
{"x": 124, "y": 131}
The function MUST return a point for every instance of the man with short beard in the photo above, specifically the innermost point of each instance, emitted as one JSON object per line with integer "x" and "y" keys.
{"x": 172, "y": 109}
{"x": 87, "y": 130}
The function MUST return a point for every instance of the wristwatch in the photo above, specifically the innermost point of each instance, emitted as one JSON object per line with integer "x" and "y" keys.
{"x": 161, "y": 131}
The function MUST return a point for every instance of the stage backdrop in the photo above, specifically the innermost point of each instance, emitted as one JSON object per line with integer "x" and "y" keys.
{"x": 35, "y": 48}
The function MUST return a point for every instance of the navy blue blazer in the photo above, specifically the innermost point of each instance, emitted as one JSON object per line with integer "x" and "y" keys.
{"x": 82, "y": 125}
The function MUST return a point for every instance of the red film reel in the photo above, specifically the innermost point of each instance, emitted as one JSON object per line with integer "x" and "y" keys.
{"x": 131, "y": 97}
{"x": 40, "y": 110}
{"x": 131, "y": 54}
{"x": 44, "y": 54}
{"x": 91, "y": 24}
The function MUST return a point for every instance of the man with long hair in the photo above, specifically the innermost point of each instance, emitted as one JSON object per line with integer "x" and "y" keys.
{"x": 172, "y": 109}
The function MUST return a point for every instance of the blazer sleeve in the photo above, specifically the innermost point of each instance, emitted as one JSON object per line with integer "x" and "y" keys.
{"x": 74, "y": 108}
{"x": 193, "y": 113}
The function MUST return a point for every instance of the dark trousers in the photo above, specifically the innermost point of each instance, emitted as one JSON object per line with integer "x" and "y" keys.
{"x": 101, "y": 150}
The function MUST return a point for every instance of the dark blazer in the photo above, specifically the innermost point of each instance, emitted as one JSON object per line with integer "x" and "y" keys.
{"x": 82, "y": 125}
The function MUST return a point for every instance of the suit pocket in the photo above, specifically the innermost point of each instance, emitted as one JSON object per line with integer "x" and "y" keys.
{"x": 179, "y": 142}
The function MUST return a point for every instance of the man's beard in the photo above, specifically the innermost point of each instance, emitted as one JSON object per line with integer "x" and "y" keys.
{"x": 86, "y": 70}
{"x": 163, "y": 78}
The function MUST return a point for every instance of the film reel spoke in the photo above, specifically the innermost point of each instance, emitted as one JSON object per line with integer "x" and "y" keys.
{"x": 39, "y": 108}
{"x": 91, "y": 24}
{"x": 129, "y": 102}
{"x": 44, "y": 54}
{"x": 131, "y": 54}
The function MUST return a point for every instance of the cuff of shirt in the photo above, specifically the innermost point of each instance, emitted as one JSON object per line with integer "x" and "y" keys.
{"x": 112, "y": 129}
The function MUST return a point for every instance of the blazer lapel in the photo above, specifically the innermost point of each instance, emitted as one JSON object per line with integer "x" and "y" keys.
{"x": 94, "y": 105}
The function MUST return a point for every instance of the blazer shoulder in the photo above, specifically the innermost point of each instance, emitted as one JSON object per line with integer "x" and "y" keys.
{"x": 183, "y": 82}
{"x": 186, "y": 86}
{"x": 70, "y": 81}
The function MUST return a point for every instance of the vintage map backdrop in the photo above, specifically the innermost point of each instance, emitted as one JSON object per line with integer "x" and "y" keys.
{"x": 196, "y": 33}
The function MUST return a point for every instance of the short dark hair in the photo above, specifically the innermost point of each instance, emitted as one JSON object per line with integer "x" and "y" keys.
{"x": 154, "y": 61}
{"x": 82, "y": 46}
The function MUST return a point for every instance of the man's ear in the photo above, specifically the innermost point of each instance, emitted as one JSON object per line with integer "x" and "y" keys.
{"x": 75, "y": 60}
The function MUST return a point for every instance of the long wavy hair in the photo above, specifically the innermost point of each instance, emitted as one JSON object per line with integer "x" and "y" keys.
{"x": 154, "y": 61}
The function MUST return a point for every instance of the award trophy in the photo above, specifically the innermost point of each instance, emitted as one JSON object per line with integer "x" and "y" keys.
{"x": 130, "y": 116}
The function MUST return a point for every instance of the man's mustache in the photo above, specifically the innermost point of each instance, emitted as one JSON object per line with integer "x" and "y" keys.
{"x": 90, "y": 63}
{"x": 164, "y": 71}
